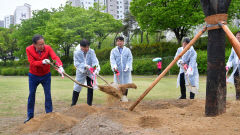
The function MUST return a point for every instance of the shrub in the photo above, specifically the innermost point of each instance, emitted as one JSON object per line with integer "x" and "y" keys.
{"x": 70, "y": 69}
{"x": 22, "y": 71}
{"x": 10, "y": 71}
{"x": 103, "y": 54}
{"x": 106, "y": 68}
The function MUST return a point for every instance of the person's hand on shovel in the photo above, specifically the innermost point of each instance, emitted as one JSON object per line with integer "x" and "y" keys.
{"x": 60, "y": 71}
{"x": 227, "y": 69}
{"x": 46, "y": 61}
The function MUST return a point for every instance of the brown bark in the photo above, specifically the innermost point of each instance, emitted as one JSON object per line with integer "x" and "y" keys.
{"x": 216, "y": 79}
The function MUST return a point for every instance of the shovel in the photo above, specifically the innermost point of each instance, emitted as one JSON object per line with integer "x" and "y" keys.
{"x": 56, "y": 67}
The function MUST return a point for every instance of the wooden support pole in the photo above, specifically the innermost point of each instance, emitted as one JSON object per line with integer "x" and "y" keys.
{"x": 233, "y": 40}
{"x": 167, "y": 69}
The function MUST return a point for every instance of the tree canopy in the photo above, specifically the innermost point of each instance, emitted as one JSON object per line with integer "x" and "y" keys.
{"x": 175, "y": 15}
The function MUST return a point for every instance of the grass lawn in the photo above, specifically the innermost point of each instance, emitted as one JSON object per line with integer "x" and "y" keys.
{"x": 14, "y": 92}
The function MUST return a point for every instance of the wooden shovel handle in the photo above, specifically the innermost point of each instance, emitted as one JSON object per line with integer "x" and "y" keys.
{"x": 71, "y": 77}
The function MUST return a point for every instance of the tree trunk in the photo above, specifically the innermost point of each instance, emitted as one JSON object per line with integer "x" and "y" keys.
{"x": 99, "y": 44}
{"x": 216, "y": 73}
{"x": 141, "y": 36}
{"x": 147, "y": 38}
{"x": 114, "y": 40}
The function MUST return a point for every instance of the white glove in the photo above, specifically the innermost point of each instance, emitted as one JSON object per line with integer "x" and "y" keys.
{"x": 126, "y": 69}
{"x": 60, "y": 71}
{"x": 87, "y": 67}
{"x": 96, "y": 71}
{"x": 189, "y": 71}
{"x": 46, "y": 61}
{"x": 179, "y": 63}
{"x": 114, "y": 67}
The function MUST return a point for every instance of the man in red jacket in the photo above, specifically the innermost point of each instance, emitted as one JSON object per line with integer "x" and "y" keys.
{"x": 39, "y": 73}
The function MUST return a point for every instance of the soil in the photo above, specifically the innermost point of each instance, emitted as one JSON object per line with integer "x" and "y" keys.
{"x": 158, "y": 117}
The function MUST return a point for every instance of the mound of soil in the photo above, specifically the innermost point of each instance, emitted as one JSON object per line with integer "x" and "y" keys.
{"x": 50, "y": 122}
{"x": 98, "y": 125}
{"x": 149, "y": 122}
{"x": 80, "y": 111}
{"x": 168, "y": 117}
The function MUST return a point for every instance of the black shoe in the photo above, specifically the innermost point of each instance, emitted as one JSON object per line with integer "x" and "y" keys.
{"x": 74, "y": 98}
{"x": 28, "y": 118}
{"x": 182, "y": 97}
{"x": 192, "y": 95}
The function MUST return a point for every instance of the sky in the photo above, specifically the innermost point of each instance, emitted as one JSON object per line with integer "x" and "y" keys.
{"x": 7, "y": 7}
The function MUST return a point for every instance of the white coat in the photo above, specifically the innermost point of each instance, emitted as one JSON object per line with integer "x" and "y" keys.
{"x": 121, "y": 62}
{"x": 233, "y": 61}
{"x": 189, "y": 58}
{"x": 80, "y": 62}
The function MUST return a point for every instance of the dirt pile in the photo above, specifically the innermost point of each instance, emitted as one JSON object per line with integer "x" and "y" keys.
{"x": 98, "y": 125}
{"x": 80, "y": 111}
{"x": 168, "y": 117}
{"x": 50, "y": 122}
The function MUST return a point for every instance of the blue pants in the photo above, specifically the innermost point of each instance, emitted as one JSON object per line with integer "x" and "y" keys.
{"x": 34, "y": 81}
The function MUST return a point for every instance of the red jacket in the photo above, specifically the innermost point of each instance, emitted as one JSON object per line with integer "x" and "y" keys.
{"x": 35, "y": 60}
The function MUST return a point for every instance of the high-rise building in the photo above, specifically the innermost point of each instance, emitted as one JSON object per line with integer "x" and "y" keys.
{"x": 22, "y": 13}
{"x": 117, "y": 8}
{"x": 75, "y": 3}
{"x": 8, "y": 20}
{"x": 1, "y": 23}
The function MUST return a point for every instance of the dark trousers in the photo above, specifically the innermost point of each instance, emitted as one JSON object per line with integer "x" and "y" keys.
{"x": 237, "y": 84}
{"x": 159, "y": 71}
{"x": 90, "y": 91}
{"x": 183, "y": 87}
{"x": 34, "y": 81}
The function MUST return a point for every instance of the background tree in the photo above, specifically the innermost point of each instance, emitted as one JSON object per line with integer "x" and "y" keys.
{"x": 30, "y": 27}
{"x": 7, "y": 43}
{"x": 104, "y": 24}
{"x": 129, "y": 27}
{"x": 71, "y": 24}
{"x": 178, "y": 16}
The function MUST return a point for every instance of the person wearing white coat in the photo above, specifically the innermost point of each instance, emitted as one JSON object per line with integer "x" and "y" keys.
{"x": 188, "y": 74}
{"x": 233, "y": 61}
{"x": 121, "y": 61}
{"x": 84, "y": 59}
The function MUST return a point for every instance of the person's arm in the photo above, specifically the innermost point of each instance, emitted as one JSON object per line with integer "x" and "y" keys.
{"x": 55, "y": 57}
{"x": 193, "y": 58}
{"x": 179, "y": 62}
{"x": 95, "y": 61}
{"x": 31, "y": 59}
{"x": 113, "y": 60}
{"x": 78, "y": 62}
{"x": 230, "y": 59}
{"x": 129, "y": 60}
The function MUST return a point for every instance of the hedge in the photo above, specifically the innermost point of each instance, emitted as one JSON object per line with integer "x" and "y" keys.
{"x": 141, "y": 66}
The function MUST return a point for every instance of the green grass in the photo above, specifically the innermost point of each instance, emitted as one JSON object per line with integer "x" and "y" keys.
{"x": 14, "y": 92}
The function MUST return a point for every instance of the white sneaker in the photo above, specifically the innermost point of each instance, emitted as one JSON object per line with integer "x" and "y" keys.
{"x": 124, "y": 99}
